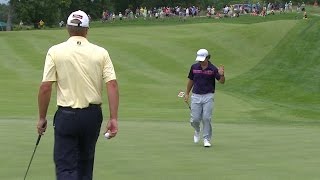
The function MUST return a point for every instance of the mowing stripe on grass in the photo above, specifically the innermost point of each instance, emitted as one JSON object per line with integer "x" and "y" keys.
{"x": 165, "y": 150}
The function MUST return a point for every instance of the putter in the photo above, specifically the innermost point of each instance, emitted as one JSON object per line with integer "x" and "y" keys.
{"x": 38, "y": 140}
{"x": 181, "y": 95}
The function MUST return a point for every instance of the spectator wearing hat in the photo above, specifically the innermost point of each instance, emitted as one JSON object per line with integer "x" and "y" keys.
{"x": 80, "y": 69}
{"x": 201, "y": 79}
{"x": 120, "y": 16}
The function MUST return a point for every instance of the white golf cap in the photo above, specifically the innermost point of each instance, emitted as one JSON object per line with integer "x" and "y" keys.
{"x": 202, "y": 54}
{"x": 79, "y": 15}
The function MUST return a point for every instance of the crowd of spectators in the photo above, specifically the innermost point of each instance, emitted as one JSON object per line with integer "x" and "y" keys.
{"x": 145, "y": 13}
{"x": 234, "y": 10}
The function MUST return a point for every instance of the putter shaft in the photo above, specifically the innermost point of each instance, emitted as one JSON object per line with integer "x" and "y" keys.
{"x": 188, "y": 105}
{"x": 34, "y": 151}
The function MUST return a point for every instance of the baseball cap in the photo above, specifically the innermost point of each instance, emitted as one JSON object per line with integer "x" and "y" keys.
{"x": 79, "y": 15}
{"x": 202, "y": 54}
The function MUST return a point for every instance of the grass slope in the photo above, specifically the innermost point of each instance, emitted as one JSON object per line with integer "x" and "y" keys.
{"x": 287, "y": 77}
{"x": 152, "y": 62}
{"x": 254, "y": 134}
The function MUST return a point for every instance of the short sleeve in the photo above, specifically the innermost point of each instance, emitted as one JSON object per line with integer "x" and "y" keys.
{"x": 49, "y": 72}
{"x": 190, "y": 76}
{"x": 108, "y": 69}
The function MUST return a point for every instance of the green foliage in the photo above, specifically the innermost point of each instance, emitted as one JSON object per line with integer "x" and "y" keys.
{"x": 31, "y": 12}
{"x": 4, "y": 12}
{"x": 53, "y": 11}
{"x": 92, "y": 7}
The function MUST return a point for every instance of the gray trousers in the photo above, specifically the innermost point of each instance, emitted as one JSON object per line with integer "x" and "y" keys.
{"x": 201, "y": 110}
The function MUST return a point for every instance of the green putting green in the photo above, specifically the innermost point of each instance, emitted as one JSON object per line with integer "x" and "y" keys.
{"x": 266, "y": 116}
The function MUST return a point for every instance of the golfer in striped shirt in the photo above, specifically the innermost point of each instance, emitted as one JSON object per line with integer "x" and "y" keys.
{"x": 202, "y": 78}
{"x": 79, "y": 70}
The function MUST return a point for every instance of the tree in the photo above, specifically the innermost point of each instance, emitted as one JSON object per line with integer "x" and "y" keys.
{"x": 9, "y": 21}
{"x": 53, "y": 11}
{"x": 32, "y": 11}
{"x": 4, "y": 9}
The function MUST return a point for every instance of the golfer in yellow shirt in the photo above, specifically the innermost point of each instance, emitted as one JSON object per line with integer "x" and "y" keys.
{"x": 79, "y": 70}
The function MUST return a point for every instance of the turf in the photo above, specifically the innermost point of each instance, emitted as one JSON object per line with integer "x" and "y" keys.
{"x": 157, "y": 150}
{"x": 266, "y": 115}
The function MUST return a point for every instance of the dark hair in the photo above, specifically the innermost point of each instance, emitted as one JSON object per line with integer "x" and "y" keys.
{"x": 77, "y": 30}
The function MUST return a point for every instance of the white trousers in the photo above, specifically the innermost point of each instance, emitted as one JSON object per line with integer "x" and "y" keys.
{"x": 201, "y": 111}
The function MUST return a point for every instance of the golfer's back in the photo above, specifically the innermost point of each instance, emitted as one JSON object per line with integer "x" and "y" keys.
{"x": 81, "y": 68}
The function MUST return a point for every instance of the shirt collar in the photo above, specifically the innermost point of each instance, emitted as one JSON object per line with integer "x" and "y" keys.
{"x": 209, "y": 65}
{"x": 78, "y": 38}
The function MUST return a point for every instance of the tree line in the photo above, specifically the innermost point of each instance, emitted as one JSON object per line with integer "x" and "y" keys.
{"x": 53, "y": 11}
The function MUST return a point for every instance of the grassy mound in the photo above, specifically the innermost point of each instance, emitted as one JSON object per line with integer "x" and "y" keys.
{"x": 287, "y": 77}
{"x": 262, "y": 114}
{"x": 271, "y": 63}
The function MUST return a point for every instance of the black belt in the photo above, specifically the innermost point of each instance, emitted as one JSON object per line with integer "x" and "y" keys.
{"x": 71, "y": 108}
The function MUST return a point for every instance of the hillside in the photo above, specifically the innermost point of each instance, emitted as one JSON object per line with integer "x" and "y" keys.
{"x": 269, "y": 65}
{"x": 288, "y": 76}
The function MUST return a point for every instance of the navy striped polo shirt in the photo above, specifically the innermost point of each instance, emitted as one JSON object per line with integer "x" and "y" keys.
{"x": 203, "y": 79}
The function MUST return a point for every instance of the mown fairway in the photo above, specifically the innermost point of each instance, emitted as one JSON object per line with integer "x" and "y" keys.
{"x": 267, "y": 114}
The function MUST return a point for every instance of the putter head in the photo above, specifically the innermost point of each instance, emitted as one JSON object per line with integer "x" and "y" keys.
{"x": 181, "y": 94}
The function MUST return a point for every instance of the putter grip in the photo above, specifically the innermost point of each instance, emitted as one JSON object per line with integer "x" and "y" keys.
{"x": 39, "y": 137}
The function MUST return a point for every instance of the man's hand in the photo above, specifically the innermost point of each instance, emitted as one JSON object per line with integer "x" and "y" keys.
{"x": 112, "y": 128}
{"x": 221, "y": 70}
{"x": 221, "y": 73}
{"x": 42, "y": 126}
{"x": 186, "y": 97}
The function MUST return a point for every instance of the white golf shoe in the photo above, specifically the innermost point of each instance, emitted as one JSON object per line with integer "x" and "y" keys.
{"x": 196, "y": 137}
{"x": 206, "y": 143}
